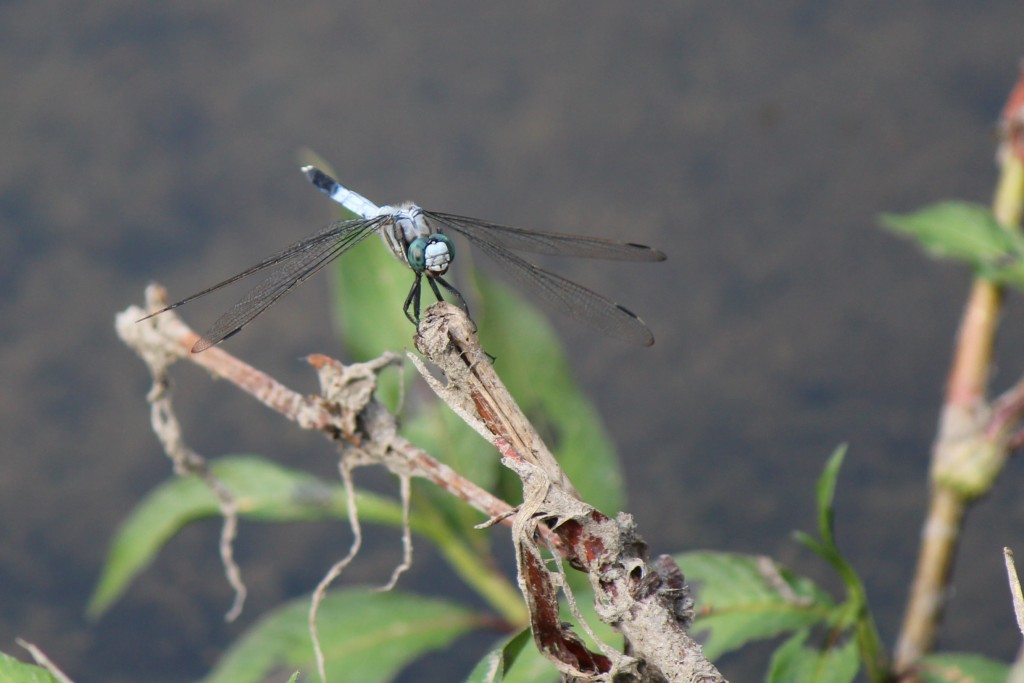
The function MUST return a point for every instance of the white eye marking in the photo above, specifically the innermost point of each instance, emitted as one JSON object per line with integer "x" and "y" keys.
{"x": 437, "y": 257}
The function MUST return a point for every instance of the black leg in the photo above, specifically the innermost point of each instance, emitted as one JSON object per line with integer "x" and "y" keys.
{"x": 460, "y": 302}
{"x": 413, "y": 300}
{"x": 433, "y": 286}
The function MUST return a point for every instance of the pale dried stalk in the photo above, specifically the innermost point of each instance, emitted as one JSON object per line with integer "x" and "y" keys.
{"x": 647, "y": 602}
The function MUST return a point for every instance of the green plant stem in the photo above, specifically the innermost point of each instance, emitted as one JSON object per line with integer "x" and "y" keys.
{"x": 493, "y": 586}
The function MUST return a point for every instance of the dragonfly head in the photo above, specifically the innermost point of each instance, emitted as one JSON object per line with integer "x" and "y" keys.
{"x": 431, "y": 255}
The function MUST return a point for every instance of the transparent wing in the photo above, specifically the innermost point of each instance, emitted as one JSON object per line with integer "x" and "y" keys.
{"x": 565, "y": 296}
{"x": 291, "y": 267}
{"x": 557, "y": 244}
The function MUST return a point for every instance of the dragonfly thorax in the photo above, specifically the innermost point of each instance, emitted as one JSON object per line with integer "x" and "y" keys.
{"x": 405, "y": 225}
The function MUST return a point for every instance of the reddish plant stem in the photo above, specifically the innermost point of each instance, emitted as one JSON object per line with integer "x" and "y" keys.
{"x": 973, "y": 440}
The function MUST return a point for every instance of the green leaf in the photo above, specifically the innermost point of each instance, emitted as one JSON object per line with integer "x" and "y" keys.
{"x": 366, "y": 636}
{"x": 494, "y": 667}
{"x": 951, "y": 667}
{"x": 855, "y": 611}
{"x": 526, "y": 348}
{"x": 794, "y": 661}
{"x": 826, "y": 546}
{"x": 443, "y": 434}
{"x": 264, "y": 491}
{"x": 15, "y": 671}
{"x": 967, "y": 232}
{"x": 826, "y": 491}
{"x": 370, "y": 286}
{"x": 532, "y": 667}
{"x": 741, "y": 598}
{"x": 529, "y": 665}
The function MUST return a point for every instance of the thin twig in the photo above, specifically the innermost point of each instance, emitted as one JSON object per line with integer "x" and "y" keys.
{"x": 1017, "y": 670}
{"x": 405, "y": 489}
{"x": 337, "y": 568}
{"x": 186, "y": 461}
{"x": 1015, "y": 591}
{"x": 42, "y": 660}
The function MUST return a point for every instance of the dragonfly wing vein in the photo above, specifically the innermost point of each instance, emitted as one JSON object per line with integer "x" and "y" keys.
{"x": 565, "y": 296}
{"x": 293, "y": 266}
{"x": 557, "y": 244}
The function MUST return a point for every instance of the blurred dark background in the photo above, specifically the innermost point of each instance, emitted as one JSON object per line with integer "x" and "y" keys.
{"x": 755, "y": 143}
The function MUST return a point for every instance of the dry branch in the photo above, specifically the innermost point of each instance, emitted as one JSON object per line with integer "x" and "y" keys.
{"x": 647, "y": 602}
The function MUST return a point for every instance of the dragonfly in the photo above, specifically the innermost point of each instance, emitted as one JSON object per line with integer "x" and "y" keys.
{"x": 417, "y": 238}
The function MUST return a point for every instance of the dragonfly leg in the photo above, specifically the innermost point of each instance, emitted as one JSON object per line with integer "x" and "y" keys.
{"x": 459, "y": 301}
{"x": 433, "y": 286}
{"x": 413, "y": 301}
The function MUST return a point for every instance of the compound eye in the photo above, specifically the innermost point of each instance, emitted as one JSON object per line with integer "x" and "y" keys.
{"x": 416, "y": 254}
